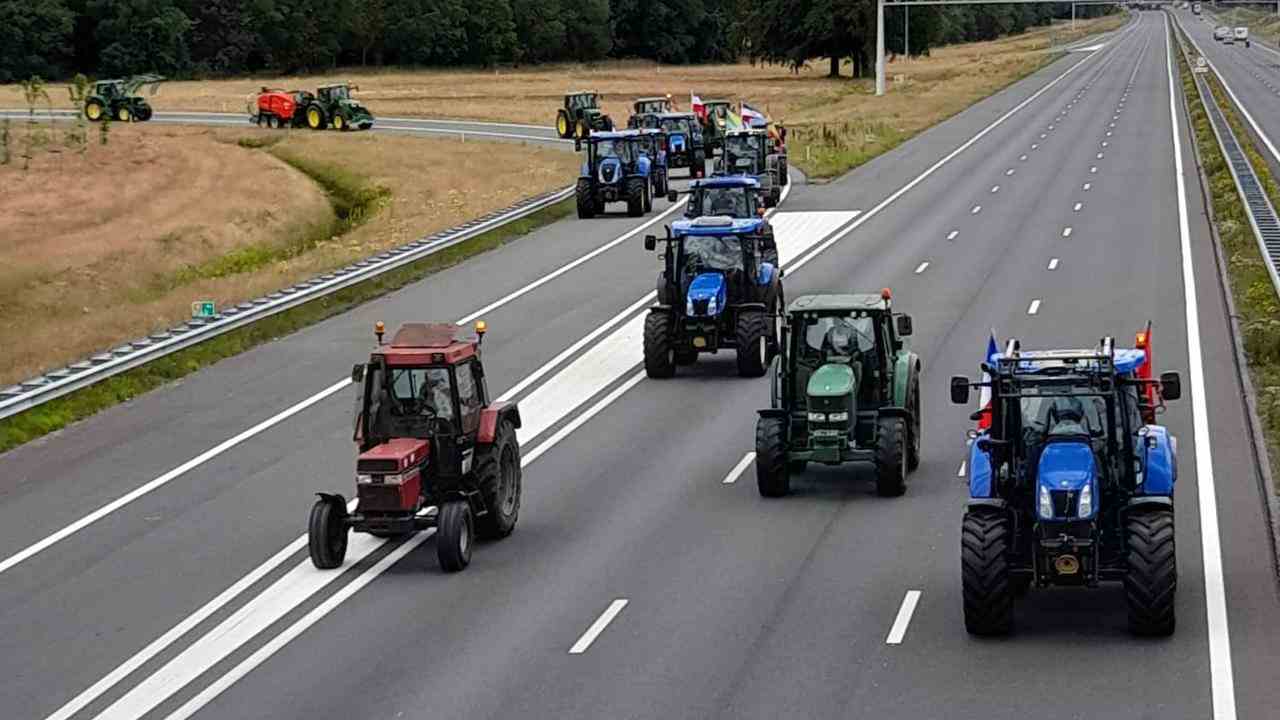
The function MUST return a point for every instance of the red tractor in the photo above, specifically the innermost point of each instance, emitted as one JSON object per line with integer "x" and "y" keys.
{"x": 434, "y": 450}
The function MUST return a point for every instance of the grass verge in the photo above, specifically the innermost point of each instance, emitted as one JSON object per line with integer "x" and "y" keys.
{"x": 1251, "y": 290}
{"x": 58, "y": 413}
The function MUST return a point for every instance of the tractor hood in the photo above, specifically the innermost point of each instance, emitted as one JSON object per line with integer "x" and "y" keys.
{"x": 706, "y": 295}
{"x": 1066, "y": 475}
{"x": 393, "y": 456}
{"x": 831, "y": 380}
{"x": 610, "y": 170}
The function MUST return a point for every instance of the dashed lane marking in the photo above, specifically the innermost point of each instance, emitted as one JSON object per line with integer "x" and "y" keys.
{"x": 1053, "y": 263}
{"x": 738, "y": 469}
{"x": 598, "y": 626}
{"x": 900, "y": 623}
{"x": 922, "y": 267}
{"x": 1034, "y": 307}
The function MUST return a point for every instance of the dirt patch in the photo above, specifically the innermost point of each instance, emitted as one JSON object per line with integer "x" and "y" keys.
{"x": 111, "y": 246}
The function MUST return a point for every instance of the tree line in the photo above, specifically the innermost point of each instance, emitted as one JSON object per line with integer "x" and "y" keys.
{"x": 188, "y": 38}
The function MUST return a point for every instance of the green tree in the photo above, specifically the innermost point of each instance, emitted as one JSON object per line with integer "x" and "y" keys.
{"x": 135, "y": 36}
{"x": 35, "y": 38}
{"x": 491, "y": 32}
{"x": 540, "y": 29}
{"x": 587, "y": 29}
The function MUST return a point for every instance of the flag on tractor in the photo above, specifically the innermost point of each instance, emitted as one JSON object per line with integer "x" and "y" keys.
{"x": 752, "y": 117}
{"x": 984, "y": 397}
{"x": 695, "y": 104}
{"x": 1142, "y": 341}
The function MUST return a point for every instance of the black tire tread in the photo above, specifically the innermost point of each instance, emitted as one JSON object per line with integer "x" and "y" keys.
{"x": 891, "y": 454}
{"x": 1151, "y": 582}
{"x": 773, "y": 475}
{"x": 751, "y": 326}
{"x": 657, "y": 346}
{"x": 984, "y": 567}
{"x": 452, "y": 521}
{"x": 493, "y": 524}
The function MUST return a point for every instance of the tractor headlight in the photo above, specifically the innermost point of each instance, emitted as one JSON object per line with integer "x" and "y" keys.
{"x": 817, "y": 417}
{"x": 712, "y": 307}
{"x": 394, "y": 479}
{"x": 1046, "y": 504}
{"x": 362, "y": 479}
{"x": 838, "y": 417}
{"x": 689, "y": 308}
{"x": 1086, "y": 501}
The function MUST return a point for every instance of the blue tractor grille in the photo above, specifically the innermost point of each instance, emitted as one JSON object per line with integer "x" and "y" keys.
{"x": 1064, "y": 503}
{"x": 700, "y": 305}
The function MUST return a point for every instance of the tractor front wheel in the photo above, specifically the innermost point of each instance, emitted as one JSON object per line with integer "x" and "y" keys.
{"x": 635, "y": 197}
{"x": 123, "y": 114}
{"x": 586, "y": 199}
{"x": 315, "y": 118}
{"x": 498, "y": 477}
{"x": 648, "y": 199}
{"x": 984, "y": 572}
{"x": 94, "y": 111}
{"x": 773, "y": 472}
{"x": 753, "y": 343}
{"x": 340, "y": 123}
{"x": 1152, "y": 578}
{"x": 327, "y": 533}
{"x": 454, "y": 535}
{"x": 273, "y": 122}
{"x": 659, "y": 346}
{"x": 581, "y": 130}
{"x": 891, "y": 456}
{"x": 663, "y": 184}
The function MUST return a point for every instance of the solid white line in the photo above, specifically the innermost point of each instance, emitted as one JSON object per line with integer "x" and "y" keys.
{"x": 582, "y": 418}
{"x": 1066, "y": 232}
{"x": 922, "y": 266}
{"x": 1222, "y": 683}
{"x": 1053, "y": 263}
{"x": 196, "y": 461}
{"x": 1077, "y": 206}
{"x": 899, "y": 629}
{"x": 976, "y": 209}
{"x": 952, "y": 235}
{"x": 598, "y": 626}
{"x": 963, "y": 464}
{"x": 1034, "y": 307}
{"x": 737, "y": 470}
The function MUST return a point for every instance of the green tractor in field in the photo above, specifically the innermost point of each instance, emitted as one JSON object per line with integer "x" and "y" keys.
{"x": 844, "y": 390}
{"x": 581, "y": 115}
{"x": 118, "y": 99}
{"x": 334, "y": 105}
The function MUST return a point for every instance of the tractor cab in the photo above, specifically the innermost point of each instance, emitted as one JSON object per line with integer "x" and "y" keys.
{"x": 715, "y": 119}
{"x": 335, "y": 93}
{"x": 736, "y": 197}
{"x": 1068, "y": 453}
{"x": 684, "y": 141}
{"x": 752, "y": 153}
{"x": 653, "y": 144}
{"x": 654, "y": 105}
{"x": 615, "y": 168}
{"x": 581, "y": 115}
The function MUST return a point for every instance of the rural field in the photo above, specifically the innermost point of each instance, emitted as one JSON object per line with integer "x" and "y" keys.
{"x": 118, "y": 242}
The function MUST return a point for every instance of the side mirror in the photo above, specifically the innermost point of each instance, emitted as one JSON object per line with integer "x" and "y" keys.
{"x": 1170, "y": 386}
{"x": 904, "y": 325}
{"x": 672, "y": 196}
{"x": 650, "y": 242}
{"x": 357, "y": 373}
{"x": 959, "y": 389}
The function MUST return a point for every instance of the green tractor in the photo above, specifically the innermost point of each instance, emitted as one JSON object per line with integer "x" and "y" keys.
{"x": 118, "y": 99}
{"x": 844, "y": 390}
{"x": 334, "y": 105}
{"x": 581, "y": 115}
{"x": 715, "y": 123}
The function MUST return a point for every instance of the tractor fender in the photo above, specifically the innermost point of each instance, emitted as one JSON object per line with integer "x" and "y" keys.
{"x": 642, "y": 166}
{"x": 1147, "y": 501}
{"x": 773, "y": 413}
{"x": 662, "y": 288}
{"x": 1160, "y": 463}
{"x": 993, "y": 503}
{"x": 906, "y": 366}
{"x": 751, "y": 306}
{"x": 979, "y": 472}
{"x": 492, "y": 416}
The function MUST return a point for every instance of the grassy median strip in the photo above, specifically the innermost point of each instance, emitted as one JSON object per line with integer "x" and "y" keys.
{"x": 1250, "y": 283}
{"x": 60, "y": 412}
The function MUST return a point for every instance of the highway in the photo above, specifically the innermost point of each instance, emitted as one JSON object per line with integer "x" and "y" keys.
{"x": 647, "y": 578}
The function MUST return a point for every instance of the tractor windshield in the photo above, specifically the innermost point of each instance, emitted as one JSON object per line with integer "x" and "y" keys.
{"x": 1060, "y": 412}
{"x": 720, "y": 201}
{"x": 841, "y": 336}
{"x": 581, "y": 102}
{"x": 621, "y": 149}
{"x": 421, "y": 392}
{"x": 713, "y": 252}
{"x": 741, "y": 151}
{"x": 339, "y": 93}
{"x": 675, "y": 125}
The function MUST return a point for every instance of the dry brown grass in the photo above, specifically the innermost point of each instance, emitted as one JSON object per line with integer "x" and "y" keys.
{"x": 92, "y": 250}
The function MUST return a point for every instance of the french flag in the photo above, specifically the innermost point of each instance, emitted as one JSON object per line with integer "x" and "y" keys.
{"x": 695, "y": 104}
{"x": 752, "y": 117}
{"x": 984, "y": 397}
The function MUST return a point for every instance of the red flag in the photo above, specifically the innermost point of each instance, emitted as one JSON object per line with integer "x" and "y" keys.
{"x": 695, "y": 104}
{"x": 984, "y": 397}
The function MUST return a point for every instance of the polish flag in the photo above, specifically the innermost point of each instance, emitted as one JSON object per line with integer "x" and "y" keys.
{"x": 1143, "y": 342}
{"x": 752, "y": 117}
{"x": 984, "y": 397}
{"x": 695, "y": 104}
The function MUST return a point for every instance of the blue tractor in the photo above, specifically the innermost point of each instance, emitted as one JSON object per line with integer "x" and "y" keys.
{"x": 715, "y": 291}
{"x": 735, "y": 196}
{"x": 1070, "y": 482}
{"x": 653, "y": 143}
{"x": 614, "y": 169}
{"x": 685, "y": 147}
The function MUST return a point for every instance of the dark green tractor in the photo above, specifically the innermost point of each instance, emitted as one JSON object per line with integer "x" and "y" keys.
{"x": 581, "y": 116}
{"x": 119, "y": 99}
{"x": 845, "y": 390}
{"x": 334, "y": 105}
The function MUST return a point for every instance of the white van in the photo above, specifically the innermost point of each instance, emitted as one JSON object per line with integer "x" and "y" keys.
{"x": 1222, "y": 33}
{"x": 1242, "y": 35}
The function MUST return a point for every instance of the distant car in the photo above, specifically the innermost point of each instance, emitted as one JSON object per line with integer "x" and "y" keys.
{"x": 1242, "y": 35}
{"x": 1221, "y": 33}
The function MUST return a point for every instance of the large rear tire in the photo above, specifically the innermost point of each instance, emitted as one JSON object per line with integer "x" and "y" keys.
{"x": 773, "y": 473}
{"x": 562, "y": 124}
{"x": 327, "y": 534}
{"x": 1151, "y": 582}
{"x": 498, "y": 476}
{"x": 144, "y": 112}
{"x": 659, "y": 346}
{"x": 586, "y": 201}
{"x": 891, "y": 456}
{"x": 984, "y": 572}
{"x": 454, "y": 536}
{"x": 635, "y": 197}
{"x": 913, "y": 441}
{"x": 753, "y": 343}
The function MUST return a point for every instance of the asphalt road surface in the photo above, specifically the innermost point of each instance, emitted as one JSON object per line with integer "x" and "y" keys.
{"x": 647, "y": 578}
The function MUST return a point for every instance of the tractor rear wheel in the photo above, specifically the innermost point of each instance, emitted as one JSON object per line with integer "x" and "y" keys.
{"x": 1152, "y": 578}
{"x": 581, "y": 130}
{"x": 498, "y": 477}
{"x": 327, "y": 534}
{"x": 913, "y": 441}
{"x": 123, "y": 114}
{"x": 454, "y": 535}
{"x": 94, "y": 111}
{"x": 984, "y": 572}
{"x": 891, "y": 456}
{"x": 586, "y": 199}
{"x": 562, "y": 124}
{"x": 144, "y": 112}
{"x": 773, "y": 472}
{"x": 635, "y": 197}
{"x": 659, "y": 346}
{"x": 753, "y": 343}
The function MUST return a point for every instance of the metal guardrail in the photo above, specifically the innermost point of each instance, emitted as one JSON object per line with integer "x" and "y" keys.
{"x": 33, "y": 392}
{"x": 1262, "y": 214}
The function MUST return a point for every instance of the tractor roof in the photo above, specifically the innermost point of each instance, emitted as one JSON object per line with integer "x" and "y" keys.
{"x": 613, "y": 135}
{"x": 716, "y": 225}
{"x": 653, "y": 98}
{"x": 727, "y": 181}
{"x": 836, "y": 303}
{"x": 1126, "y": 360}
{"x": 427, "y": 344}
{"x": 665, "y": 115}
{"x": 334, "y": 85}
{"x": 581, "y": 92}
